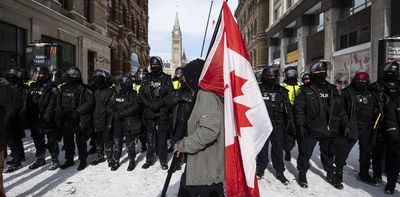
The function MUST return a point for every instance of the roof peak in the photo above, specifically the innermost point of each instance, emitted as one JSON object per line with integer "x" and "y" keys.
{"x": 177, "y": 26}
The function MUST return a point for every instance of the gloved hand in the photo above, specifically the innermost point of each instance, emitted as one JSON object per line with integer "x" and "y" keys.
{"x": 292, "y": 129}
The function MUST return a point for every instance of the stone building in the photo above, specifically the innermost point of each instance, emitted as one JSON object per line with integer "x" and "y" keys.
{"x": 88, "y": 33}
{"x": 252, "y": 17}
{"x": 79, "y": 27}
{"x": 345, "y": 32}
{"x": 176, "y": 46}
{"x": 128, "y": 28}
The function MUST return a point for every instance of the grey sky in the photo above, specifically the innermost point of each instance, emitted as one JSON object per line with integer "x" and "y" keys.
{"x": 192, "y": 17}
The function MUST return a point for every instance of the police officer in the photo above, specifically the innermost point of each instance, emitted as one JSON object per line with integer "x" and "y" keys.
{"x": 363, "y": 109}
{"x": 178, "y": 76}
{"x": 305, "y": 78}
{"x": 18, "y": 121}
{"x": 292, "y": 85}
{"x": 281, "y": 114}
{"x": 137, "y": 81}
{"x": 101, "y": 118}
{"x": 386, "y": 87}
{"x": 320, "y": 113}
{"x": 75, "y": 104}
{"x": 392, "y": 132}
{"x": 126, "y": 118}
{"x": 156, "y": 86}
{"x": 41, "y": 108}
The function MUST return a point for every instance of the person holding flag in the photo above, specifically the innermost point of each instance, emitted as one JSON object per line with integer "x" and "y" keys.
{"x": 229, "y": 123}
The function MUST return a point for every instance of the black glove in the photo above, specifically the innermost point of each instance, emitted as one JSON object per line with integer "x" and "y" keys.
{"x": 292, "y": 129}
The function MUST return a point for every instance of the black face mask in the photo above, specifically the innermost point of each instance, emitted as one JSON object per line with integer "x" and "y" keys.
{"x": 99, "y": 82}
{"x": 360, "y": 85}
{"x": 74, "y": 80}
{"x": 155, "y": 69}
{"x": 12, "y": 79}
{"x": 269, "y": 81}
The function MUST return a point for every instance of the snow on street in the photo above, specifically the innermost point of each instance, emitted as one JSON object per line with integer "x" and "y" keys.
{"x": 100, "y": 181}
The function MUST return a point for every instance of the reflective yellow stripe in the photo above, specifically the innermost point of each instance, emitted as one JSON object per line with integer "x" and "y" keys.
{"x": 136, "y": 87}
{"x": 177, "y": 85}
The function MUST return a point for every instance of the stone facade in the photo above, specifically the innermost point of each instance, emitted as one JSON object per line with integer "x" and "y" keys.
{"x": 76, "y": 23}
{"x": 252, "y": 17}
{"x": 345, "y": 32}
{"x": 128, "y": 28}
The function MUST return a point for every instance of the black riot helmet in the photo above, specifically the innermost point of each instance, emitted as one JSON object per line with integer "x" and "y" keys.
{"x": 390, "y": 71}
{"x": 319, "y": 69}
{"x": 270, "y": 74}
{"x": 156, "y": 65}
{"x": 141, "y": 73}
{"x": 41, "y": 74}
{"x": 73, "y": 75}
{"x": 132, "y": 75}
{"x": 14, "y": 76}
{"x": 179, "y": 73}
{"x": 305, "y": 78}
{"x": 101, "y": 78}
{"x": 125, "y": 83}
{"x": 56, "y": 76}
{"x": 25, "y": 74}
{"x": 291, "y": 72}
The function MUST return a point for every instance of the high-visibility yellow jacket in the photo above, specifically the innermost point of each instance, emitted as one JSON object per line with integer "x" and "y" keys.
{"x": 176, "y": 84}
{"x": 136, "y": 87}
{"x": 293, "y": 89}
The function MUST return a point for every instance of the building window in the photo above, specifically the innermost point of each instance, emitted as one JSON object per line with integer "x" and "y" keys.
{"x": 64, "y": 4}
{"x": 348, "y": 40}
{"x": 319, "y": 23}
{"x": 277, "y": 12}
{"x": 111, "y": 10}
{"x": 358, "y": 5}
{"x": 87, "y": 10}
{"x": 294, "y": 36}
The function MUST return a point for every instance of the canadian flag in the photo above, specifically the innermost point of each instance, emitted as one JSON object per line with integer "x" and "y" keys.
{"x": 228, "y": 73}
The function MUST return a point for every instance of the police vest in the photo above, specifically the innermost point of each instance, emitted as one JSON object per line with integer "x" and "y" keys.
{"x": 136, "y": 87}
{"x": 176, "y": 84}
{"x": 292, "y": 91}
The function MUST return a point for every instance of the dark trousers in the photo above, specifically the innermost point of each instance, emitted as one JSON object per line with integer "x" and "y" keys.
{"x": 365, "y": 149}
{"x": 39, "y": 139}
{"x": 306, "y": 148}
{"x": 73, "y": 133}
{"x": 392, "y": 162}
{"x": 119, "y": 132}
{"x": 157, "y": 133}
{"x": 104, "y": 143}
{"x": 2, "y": 193}
{"x": 214, "y": 190}
{"x": 17, "y": 148}
{"x": 179, "y": 132}
{"x": 277, "y": 140}
{"x": 378, "y": 155}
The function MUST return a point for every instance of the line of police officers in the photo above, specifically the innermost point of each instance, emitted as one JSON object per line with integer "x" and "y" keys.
{"x": 318, "y": 111}
{"x": 139, "y": 106}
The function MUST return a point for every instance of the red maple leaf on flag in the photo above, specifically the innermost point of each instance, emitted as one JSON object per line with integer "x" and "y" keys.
{"x": 239, "y": 109}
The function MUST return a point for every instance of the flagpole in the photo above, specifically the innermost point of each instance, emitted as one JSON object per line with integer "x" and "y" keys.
{"x": 205, "y": 33}
{"x": 215, "y": 31}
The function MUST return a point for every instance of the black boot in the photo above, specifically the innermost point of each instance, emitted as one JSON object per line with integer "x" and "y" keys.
{"x": 9, "y": 162}
{"x": 147, "y": 164}
{"x": 302, "y": 180}
{"x": 389, "y": 190}
{"x": 366, "y": 178}
{"x": 54, "y": 164}
{"x": 115, "y": 166}
{"x": 259, "y": 174}
{"x": 281, "y": 177}
{"x": 331, "y": 179}
{"x": 82, "y": 165}
{"x": 99, "y": 159}
{"x": 132, "y": 165}
{"x": 13, "y": 167}
{"x": 37, "y": 164}
{"x": 68, "y": 163}
{"x": 164, "y": 166}
{"x": 339, "y": 175}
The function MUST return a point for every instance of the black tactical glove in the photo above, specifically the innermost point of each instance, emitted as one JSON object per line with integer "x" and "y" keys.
{"x": 346, "y": 133}
{"x": 302, "y": 132}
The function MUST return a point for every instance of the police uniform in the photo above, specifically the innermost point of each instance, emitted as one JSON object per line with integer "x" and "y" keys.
{"x": 281, "y": 115}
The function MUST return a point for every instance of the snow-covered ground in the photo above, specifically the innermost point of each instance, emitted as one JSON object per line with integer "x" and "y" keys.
{"x": 100, "y": 181}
